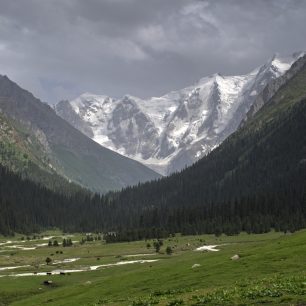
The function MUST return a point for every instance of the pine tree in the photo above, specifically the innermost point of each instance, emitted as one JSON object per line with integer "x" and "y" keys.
{"x": 169, "y": 250}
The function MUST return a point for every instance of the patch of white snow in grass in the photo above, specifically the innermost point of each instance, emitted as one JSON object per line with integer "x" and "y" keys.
{"x": 67, "y": 260}
{"x": 20, "y": 247}
{"x": 12, "y": 268}
{"x": 210, "y": 248}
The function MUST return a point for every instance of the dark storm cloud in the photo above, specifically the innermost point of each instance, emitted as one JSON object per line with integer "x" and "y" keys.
{"x": 61, "y": 48}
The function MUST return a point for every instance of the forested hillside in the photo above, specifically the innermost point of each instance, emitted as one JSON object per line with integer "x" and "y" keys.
{"x": 249, "y": 184}
{"x": 27, "y": 207}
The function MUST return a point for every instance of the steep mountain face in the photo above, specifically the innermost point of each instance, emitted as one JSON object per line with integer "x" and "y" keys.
{"x": 56, "y": 146}
{"x": 173, "y": 131}
{"x": 21, "y": 152}
{"x": 272, "y": 87}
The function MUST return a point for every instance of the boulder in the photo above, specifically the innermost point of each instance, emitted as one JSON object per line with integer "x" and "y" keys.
{"x": 195, "y": 266}
{"x": 235, "y": 257}
{"x": 47, "y": 282}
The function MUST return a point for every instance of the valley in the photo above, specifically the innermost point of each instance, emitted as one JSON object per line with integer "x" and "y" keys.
{"x": 152, "y": 153}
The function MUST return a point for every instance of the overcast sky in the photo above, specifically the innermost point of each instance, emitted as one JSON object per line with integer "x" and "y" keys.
{"x": 59, "y": 49}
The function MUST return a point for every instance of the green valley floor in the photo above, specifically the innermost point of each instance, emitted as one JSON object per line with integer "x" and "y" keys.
{"x": 270, "y": 269}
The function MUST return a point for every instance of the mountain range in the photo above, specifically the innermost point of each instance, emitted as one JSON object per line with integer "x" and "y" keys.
{"x": 171, "y": 132}
{"x": 254, "y": 181}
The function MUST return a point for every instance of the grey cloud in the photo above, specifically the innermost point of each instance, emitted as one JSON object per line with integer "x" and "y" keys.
{"x": 60, "y": 48}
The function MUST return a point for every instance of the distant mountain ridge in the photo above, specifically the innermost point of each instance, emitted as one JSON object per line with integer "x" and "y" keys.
{"x": 54, "y": 146}
{"x": 171, "y": 132}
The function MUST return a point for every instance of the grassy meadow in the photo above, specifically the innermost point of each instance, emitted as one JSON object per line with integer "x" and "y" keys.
{"x": 271, "y": 270}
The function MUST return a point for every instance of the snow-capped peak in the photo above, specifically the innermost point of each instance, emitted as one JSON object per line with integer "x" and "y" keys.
{"x": 169, "y": 132}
